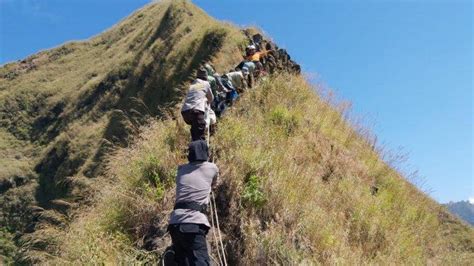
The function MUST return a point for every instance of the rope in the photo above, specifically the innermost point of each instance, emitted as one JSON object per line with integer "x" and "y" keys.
{"x": 218, "y": 229}
{"x": 213, "y": 206}
{"x": 215, "y": 216}
{"x": 214, "y": 259}
{"x": 215, "y": 234}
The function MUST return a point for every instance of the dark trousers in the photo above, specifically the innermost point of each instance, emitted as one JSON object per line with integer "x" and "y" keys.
{"x": 196, "y": 119}
{"x": 219, "y": 106}
{"x": 189, "y": 244}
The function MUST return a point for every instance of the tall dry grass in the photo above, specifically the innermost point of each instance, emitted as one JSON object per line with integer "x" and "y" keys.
{"x": 296, "y": 187}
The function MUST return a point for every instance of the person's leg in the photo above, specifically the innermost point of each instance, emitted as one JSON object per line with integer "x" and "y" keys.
{"x": 199, "y": 247}
{"x": 191, "y": 239}
{"x": 189, "y": 118}
{"x": 201, "y": 122}
{"x": 198, "y": 126}
{"x": 221, "y": 107}
{"x": 250, "y": 80}
{"x": 178, "y": 241}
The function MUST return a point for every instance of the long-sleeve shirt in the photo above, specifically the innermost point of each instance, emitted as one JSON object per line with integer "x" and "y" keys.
{"x": 198, "y": 97}
{"x": 193, "y": 184}
{"x": 237, "y": 79}
{"x": 256, "y": 56}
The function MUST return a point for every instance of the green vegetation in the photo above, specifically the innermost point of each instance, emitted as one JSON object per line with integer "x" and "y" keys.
{"x": 64, "y": 111}
{"x": 252, "y": 193}
{"x": 91, "y": 140}
{"x": 301, "y": 198}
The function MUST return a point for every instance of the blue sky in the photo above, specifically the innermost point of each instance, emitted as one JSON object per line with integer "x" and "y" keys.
{"x": 407, "y": 66}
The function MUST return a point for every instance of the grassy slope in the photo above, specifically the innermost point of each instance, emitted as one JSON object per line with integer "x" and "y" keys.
{"x": 63, "y": 110}
{"x": 296, "y": 178}
{"x": 295, "y": 188}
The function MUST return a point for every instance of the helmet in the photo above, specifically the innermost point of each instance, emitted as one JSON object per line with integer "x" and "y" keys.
{"x": 245, "y": 71}
{"x": 251, "y": 47}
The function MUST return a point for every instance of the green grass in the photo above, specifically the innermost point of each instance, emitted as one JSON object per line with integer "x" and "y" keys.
{"x": 252, "y": 194}
{"x": 98, "y": 120}
{"x": 63, "y": 110}
{"x": 301, "y": 198}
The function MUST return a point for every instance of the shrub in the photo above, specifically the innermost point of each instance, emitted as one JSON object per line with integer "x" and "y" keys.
{"x": 284, "y": 118}
{"x": 155, "y": 178}
{"x": 253, "y": 194}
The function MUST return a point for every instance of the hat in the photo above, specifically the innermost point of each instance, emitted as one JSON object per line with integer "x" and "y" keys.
{"x": 201, "y": 74}
{"x": 198, "y": 151}
{"x": 245, "y": 70}
{"x": 251, "y": 47}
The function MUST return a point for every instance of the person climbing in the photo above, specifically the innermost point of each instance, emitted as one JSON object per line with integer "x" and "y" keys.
{"x": 253, "y": 56}
{"x": 257, "y": 39}
{"x": 238, "y": 79}
{"x": 231, "y": 95}
{"x": 195, "y": 105}
{"x": 248, "y": 69}
{"x": 188, "y": 225}
{"x": 218, "y": 90}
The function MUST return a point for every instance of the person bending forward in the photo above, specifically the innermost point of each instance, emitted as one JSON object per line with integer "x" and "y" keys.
{"x": 188, "y": 224}
{"x": 197, "y": 101}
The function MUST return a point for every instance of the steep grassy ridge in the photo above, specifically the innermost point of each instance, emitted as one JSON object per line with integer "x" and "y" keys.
{"x": 297, "y": 186}
{"x": 63, "y": 110}
{"x": 303, "y": 184}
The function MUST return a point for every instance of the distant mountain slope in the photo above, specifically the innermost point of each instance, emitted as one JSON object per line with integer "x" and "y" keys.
{"x": 462, "y": 209}
{"x": 91, "y": 136}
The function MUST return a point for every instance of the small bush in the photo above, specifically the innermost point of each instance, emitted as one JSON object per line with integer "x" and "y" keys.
{"x": 284, "y": 118}
{"x": 156, "y": 178}
{"x": 7, "y": 247}
{"x": 253, "y": 194}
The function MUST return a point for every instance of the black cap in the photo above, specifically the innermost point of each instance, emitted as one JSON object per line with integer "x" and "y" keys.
{"x": 198, "y": 151}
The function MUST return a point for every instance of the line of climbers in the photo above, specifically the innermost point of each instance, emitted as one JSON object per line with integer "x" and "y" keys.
{"x": 207, "y": 99}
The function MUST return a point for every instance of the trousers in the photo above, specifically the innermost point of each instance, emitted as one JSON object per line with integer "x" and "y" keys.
{"x": 189, "y": 244}
{"x": 197, "y": 120}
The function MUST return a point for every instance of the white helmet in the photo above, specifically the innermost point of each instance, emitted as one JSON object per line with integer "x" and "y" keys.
{"x": 251, "y": 47}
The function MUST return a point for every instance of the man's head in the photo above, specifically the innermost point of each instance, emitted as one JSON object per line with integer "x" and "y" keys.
{"x": 251, "y": 49}
{"x": 210, "y": 70}
{"x": 202, "y": 74}
{"x": 245, "y": 71}
{"x": 198, "y": 151}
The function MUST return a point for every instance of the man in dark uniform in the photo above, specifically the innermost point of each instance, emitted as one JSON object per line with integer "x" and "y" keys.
{"x": 188, "y": 224}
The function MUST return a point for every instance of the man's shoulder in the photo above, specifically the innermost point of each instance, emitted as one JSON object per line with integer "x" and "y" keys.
{"x": 204, "y": 164}
{"x": 210, "y": 165}
{"x": 203, "y": 82}
{"x": 236, "y": 74}
{"x": 199, "y": 84}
